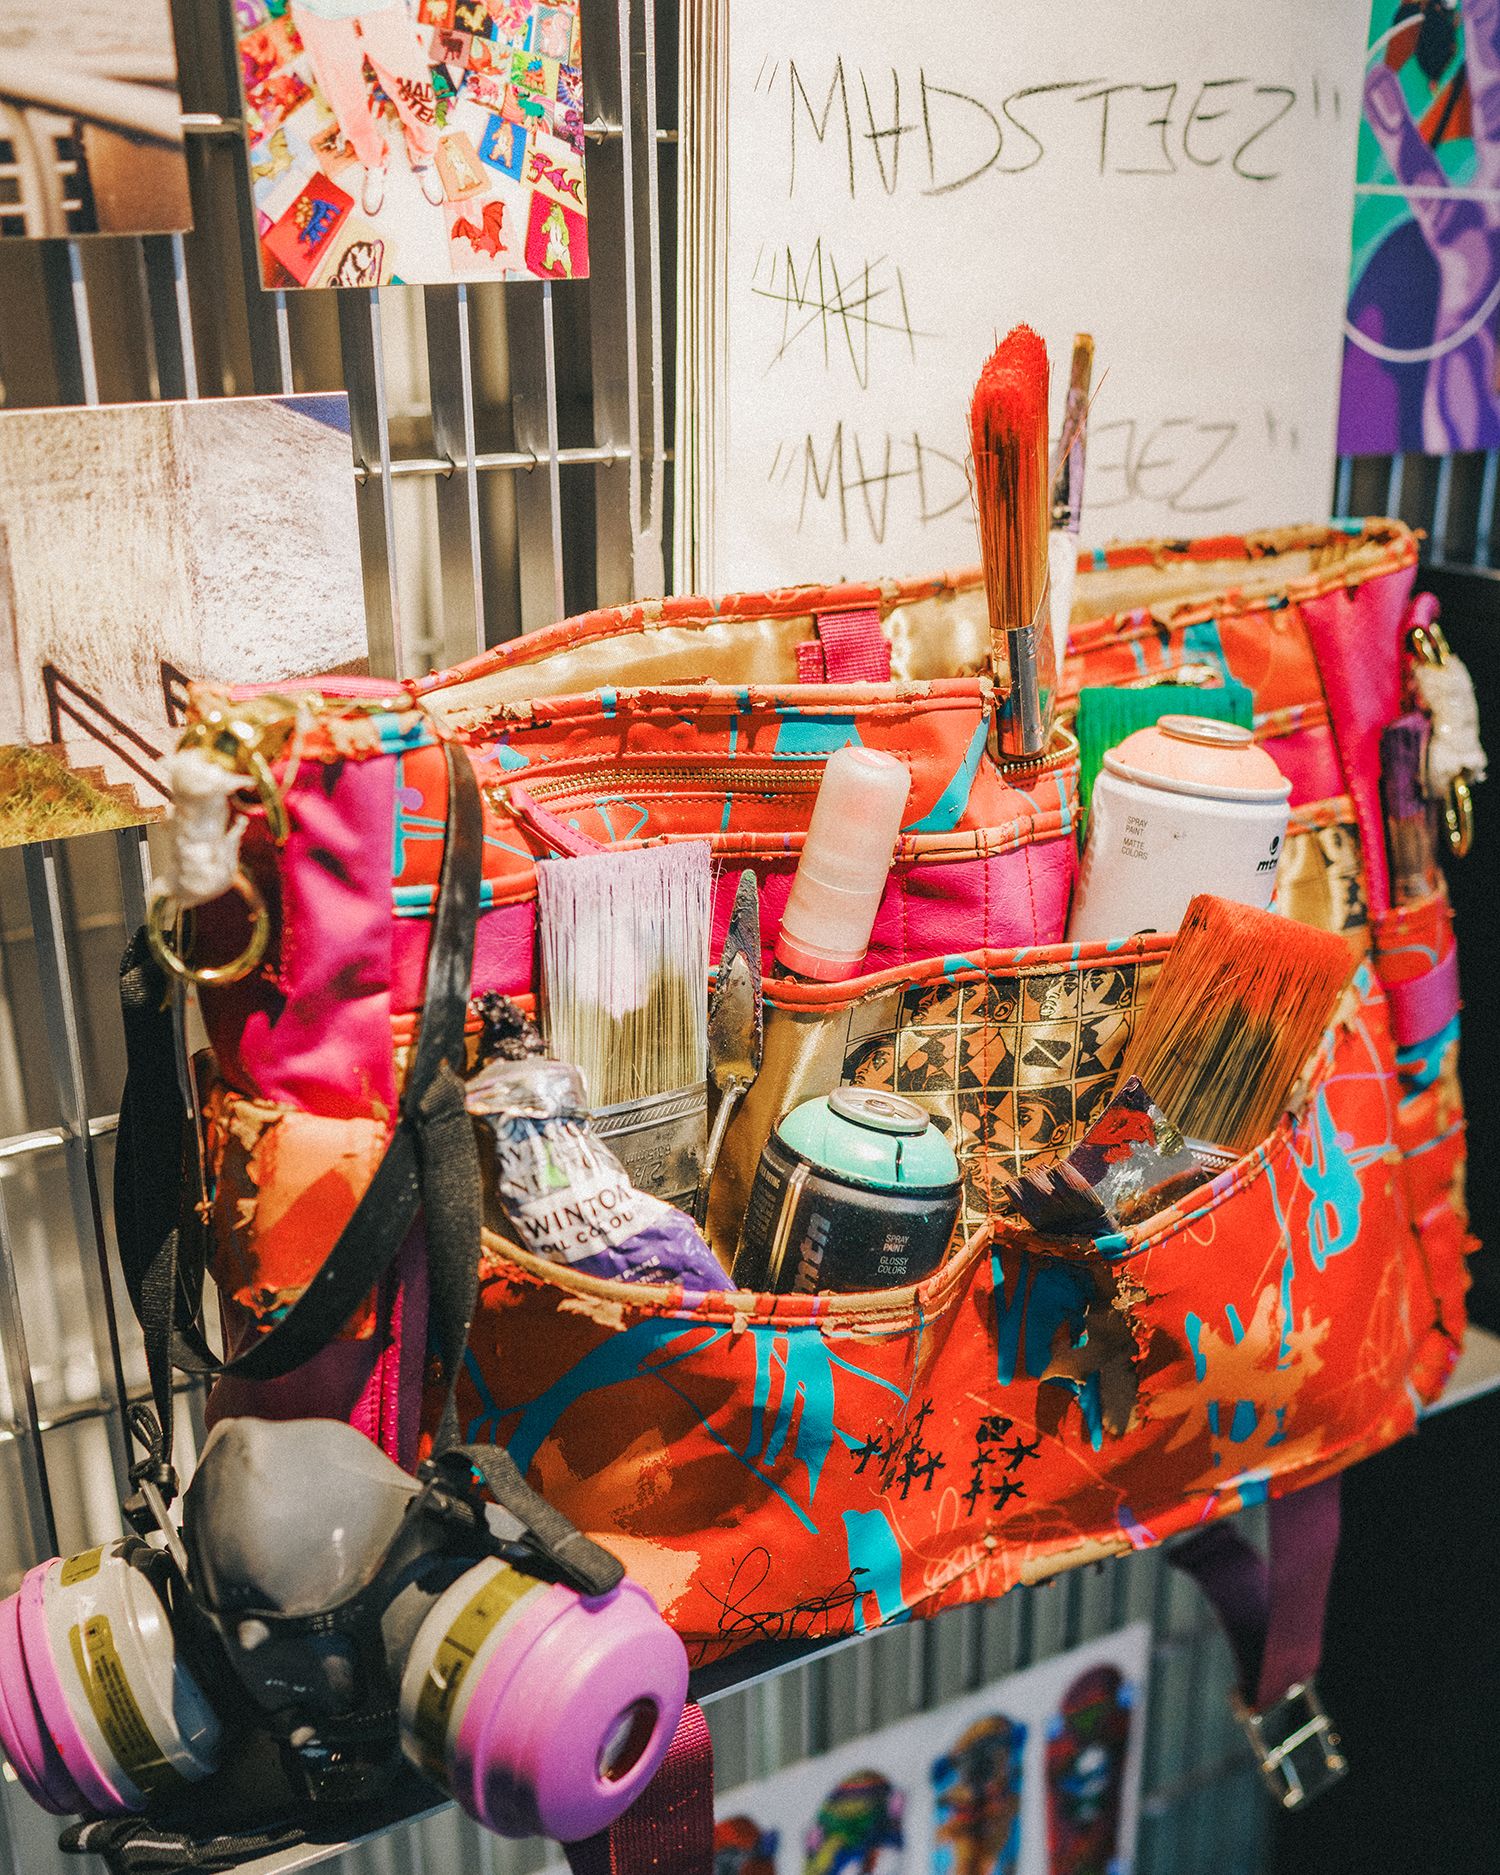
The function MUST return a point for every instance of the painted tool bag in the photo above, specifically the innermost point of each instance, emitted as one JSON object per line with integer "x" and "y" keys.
{"x": 793, "y": 1467}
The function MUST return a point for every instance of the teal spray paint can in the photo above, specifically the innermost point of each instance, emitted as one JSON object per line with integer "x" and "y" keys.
{"x": 856, "y": 1190}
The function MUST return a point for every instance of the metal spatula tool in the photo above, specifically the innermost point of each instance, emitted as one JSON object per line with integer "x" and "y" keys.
{"x": 735, "y": 1024}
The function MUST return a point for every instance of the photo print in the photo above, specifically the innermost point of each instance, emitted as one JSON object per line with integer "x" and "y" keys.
{"x": 143, "y": 546}
{"x": 418, "y": 141}
{"x": 1036, "y": 1774}
{"x": 90, "y": 120}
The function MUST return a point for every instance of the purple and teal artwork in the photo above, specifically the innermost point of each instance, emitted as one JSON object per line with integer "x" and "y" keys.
{"x": 1424, "y": 284}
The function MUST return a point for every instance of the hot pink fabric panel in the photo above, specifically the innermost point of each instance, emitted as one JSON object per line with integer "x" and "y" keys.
{"x": 1357, "y": 638}
{"x": 1309, "y": 759}
{"x": 932, "y": 910}
{"x": 319, "y": 1037}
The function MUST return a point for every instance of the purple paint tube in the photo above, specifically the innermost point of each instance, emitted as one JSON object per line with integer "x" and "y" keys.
{"x": 565, "y": 1194}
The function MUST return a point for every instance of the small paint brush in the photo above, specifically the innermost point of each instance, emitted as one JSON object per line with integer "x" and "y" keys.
{"x": 1012, "y": 500}
{"x": 1237, "y": 1010}
{"x": 1067, "y": 494}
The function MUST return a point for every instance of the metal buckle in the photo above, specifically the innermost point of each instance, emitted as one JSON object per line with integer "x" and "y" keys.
{"x": 1295, "y": 1745}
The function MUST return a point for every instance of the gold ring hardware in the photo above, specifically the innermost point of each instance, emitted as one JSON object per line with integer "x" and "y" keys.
{"x": 165, "y": 916}
{"x": 1431, "y": 645}
{"x": 240, "y": 742}
{"x": 1458, "y": 816}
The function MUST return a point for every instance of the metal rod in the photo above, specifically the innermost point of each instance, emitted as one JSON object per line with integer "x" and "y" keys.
{"x": 51, "y": 1138}
{"x": 17, "y": 1360}
{"x": 1437, "y": 547}
{"x": 554, "y": 474}
{"x": 184, "y": 317}
{"x": 1484, "y": 541}
{"x": 1343, "y": 487}
{"x": 60, "y": 1013}
{"x": 623, "y": 12}
{"x": 1393, "y": 485}
{"x": 653, "y": 571}
{"x": 87, "y": 363}
{"x": 284, "y": 343}
{"x": 401, "y": 468}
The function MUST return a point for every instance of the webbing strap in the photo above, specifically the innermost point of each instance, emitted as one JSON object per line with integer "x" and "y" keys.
{"x": 669, "y": 1829}
{"x": 1271, "y": 1608}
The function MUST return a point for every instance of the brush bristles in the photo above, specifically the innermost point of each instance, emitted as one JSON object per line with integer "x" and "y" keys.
{"x": 1239, "y": 1007}
{"x": 625, "y": 968}
{"x": 1008, "y": 431}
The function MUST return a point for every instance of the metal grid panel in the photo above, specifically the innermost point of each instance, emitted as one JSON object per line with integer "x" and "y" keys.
{"x": 511, "y": 466}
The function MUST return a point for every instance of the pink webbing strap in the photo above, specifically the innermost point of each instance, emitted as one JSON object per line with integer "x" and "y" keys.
{"x": 669, "y": 1829}
{"x": 850, "y": 648}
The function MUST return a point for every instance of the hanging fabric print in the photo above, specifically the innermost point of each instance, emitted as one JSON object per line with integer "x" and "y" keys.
{"x": 414, "y": 140}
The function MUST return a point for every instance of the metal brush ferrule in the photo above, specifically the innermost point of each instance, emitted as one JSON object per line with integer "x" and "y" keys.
{"x": 659, "y": 1140}
{"x": 1023, "y": 715}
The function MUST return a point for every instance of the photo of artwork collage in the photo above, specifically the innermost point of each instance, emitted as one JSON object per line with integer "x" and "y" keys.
{"x": 427, "y": 142}
{"x": 1008, "y": 1066}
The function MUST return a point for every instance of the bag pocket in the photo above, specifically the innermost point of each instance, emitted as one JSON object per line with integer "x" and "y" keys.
{"x": 792, "y": 1467}
{"x": 1417, "y": 963}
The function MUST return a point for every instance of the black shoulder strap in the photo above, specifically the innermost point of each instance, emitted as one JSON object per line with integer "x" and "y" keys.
{"x": 431, "y": 1162}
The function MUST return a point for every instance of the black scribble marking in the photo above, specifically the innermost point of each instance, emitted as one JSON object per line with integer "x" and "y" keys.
{"x": 993, "y": 1444}
{"x": 836, "y": 86}
{"x": 901, "y": 1456}
{"x": 808, "y": 1619}
{"x": 1004, "y": 1491}
{"x": 815, "y": 299}
{"x": 903, "y": 460}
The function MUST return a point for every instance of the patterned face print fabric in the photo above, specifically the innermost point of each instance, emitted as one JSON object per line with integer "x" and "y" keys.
{"x": 793, "y": 1467}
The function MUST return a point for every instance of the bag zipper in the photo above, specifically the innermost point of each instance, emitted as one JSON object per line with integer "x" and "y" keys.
{"x": 730, "y": 778}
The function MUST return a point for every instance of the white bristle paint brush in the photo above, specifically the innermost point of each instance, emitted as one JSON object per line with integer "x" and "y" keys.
{"x": 625, "y": 947}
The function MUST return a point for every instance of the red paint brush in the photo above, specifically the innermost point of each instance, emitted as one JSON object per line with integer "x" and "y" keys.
{"x": 1012, "y": 499}
{"x": 1239, "y": 1006}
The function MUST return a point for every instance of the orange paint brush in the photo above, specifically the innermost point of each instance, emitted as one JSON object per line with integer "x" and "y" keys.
{"x": 1012, "y": 499}
{"x": 1238, "y": 1008}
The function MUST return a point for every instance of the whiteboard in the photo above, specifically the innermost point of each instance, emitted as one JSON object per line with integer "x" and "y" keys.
{"x": 905, "y": 181}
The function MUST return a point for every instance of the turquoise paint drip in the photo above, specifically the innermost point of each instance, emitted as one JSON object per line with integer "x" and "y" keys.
{"x": 875, "y": 1565}
{"x": 1246, "y": 1418}
{"x": 1338, "y": 1196}
{"x": 1421, "y": 1064}
{"x": 800, "y": 737}
{"x": 806, "y": 1383}
{"x": 1236, "y": 1326}
{"x": 1204, "y": 646}
{"x": 948, "y": 809}
{"x": 511, "y": 759}
{"x": 607, "y": 700}
{"x": 1194, "y": 1327}
{"x": 1046, "y": 1297}
{"x": 1253, "y": 1487}
{"x": 400, "y": 735}
{"x": 627, "y": 1355}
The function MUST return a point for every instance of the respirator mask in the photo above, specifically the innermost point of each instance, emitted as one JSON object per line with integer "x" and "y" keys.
{"x": 359, "y": 1616}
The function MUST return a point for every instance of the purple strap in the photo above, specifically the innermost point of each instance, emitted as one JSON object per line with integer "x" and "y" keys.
{"x": 1272, "y": 1612}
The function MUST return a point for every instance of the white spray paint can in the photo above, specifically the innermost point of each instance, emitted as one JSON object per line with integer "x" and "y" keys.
{"x": 1189, "y": 805}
